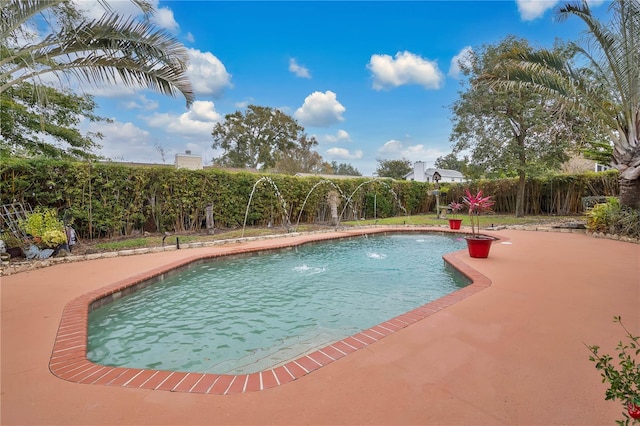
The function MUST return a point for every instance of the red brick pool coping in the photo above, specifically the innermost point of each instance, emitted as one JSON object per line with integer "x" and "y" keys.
{"x": 69, "y": 356}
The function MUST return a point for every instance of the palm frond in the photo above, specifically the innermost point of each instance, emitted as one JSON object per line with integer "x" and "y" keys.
{"x": 138, "y": 52}
{"x": 15, "y": 13}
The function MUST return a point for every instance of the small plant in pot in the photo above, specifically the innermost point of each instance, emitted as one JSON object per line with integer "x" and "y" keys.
{"x": 47, "y": 232}
{"x": 454, "y": 223}
{"x": 623, "y": 378}
{"x": 479, "y": 245}
{"x": 45, "y": 228}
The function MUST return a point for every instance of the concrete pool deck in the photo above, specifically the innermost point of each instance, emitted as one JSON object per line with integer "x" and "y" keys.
{"x": 512, "y": 353}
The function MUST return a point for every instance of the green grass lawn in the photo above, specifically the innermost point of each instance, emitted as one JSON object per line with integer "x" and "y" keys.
{"x": 428, "y": 219}
{"x": 485, "y": 220}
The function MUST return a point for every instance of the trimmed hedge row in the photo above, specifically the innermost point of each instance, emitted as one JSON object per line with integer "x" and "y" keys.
{"x": 111, "y": 199}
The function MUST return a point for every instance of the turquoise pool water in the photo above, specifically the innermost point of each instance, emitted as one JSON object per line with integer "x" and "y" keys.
{"x": 243, "y": 315}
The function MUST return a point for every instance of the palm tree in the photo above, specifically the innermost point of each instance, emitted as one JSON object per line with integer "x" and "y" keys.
{"x": 607, "y": 92}
{"x": 112, "y": 49}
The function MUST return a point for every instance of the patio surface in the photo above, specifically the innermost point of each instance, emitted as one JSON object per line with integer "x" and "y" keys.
{"x": 512, "y": 353}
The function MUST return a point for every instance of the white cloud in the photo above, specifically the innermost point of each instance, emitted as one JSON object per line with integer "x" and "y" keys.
{"x": 395, "y": 150}
{"x": 464, "y": 57}
{"x": 320, "y": 110}
{"x": 391, "y": 147}
{"x": 190, "y": 38}
{"x": 204, "y": 111}
{"x": 298, "y": 70}
{"x": 94, "y": 9}
{"x": 164, "y": 19}
{"x": 127, "y": 142}
{"x": 207, "y": 73}
{"x": 197, "y": 122}
{"x": 533, "y": 9}
{"x": 123, "y": 141}
{"x": 406, "y": 68}
{"x": 142, "y": 102}
{"x": 343, "y": 154}
{"x": 243, "y": 104}
{"x": 340, "y": 136}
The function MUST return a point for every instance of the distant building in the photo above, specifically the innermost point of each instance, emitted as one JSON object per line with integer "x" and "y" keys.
{"x": 135, "y": 164}
{"x": 601, "y": 167}
{"x": 188, "y": 161}
{"x": 421, "y": 173}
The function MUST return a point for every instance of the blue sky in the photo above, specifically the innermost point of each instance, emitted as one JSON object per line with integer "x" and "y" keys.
{"x": 370, "y": 80}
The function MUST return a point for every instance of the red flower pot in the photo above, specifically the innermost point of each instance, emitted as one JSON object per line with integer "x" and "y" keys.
{"x": 454, "y": 223}
{"x": 479, "y": 246}
{"x": 634, "y": 410}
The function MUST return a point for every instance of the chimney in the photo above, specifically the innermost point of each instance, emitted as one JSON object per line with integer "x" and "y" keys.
{"x": 188, "y": 152}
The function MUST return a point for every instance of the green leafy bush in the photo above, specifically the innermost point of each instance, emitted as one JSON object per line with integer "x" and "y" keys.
{"x": 599, "y": 217}
{"x": 10, "y": 240}
{"x": 44, "y": 224}
{"x": 612, "y": 218}
{"x": 623, "y": 378}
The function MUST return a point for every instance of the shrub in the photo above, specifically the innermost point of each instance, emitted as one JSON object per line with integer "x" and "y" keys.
{"x": 10, "y": 240}
{"x": 44, "y": 224}
{"x": 623, "y": 378}
{"x": 612, "y": 218}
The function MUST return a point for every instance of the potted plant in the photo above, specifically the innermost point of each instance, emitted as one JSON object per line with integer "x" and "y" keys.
{"x": 623, "y": 379}
{"x": 454, "y": 223}
{"x": 45, "y": 228}
{"x": 478, "y": 245}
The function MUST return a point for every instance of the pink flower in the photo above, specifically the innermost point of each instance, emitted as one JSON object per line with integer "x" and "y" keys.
{"x": 455, "y": 207}
{"x": 477, "y": 204}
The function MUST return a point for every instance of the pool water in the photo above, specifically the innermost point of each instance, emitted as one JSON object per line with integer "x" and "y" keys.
{"x": 242, "y": 315}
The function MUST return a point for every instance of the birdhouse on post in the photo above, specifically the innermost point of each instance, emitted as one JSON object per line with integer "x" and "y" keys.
{"x": 436, "y": 179}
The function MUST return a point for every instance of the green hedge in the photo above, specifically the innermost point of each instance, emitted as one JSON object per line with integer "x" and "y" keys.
{"x": 111, "y": 199}
{"x": 556, "y": 194}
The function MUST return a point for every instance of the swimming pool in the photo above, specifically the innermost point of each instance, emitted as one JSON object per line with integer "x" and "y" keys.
{"x": 201, "y": 320}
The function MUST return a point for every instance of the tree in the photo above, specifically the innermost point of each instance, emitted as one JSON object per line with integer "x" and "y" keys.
{"x": 599, "y": 151}
{"x": 396, "y": 169}
{"x": 48, "y": 126}
{"x": 451, "y": 162}
{"x": 608, "y": 92}
{"x": 301, "y": 159}
{"x": 258, "y": 138}
{"x": 344, "y": 169}
{"x": 112, "y": 49}
{"x": 162, "y": 151}
{"x": 511, "y": 132}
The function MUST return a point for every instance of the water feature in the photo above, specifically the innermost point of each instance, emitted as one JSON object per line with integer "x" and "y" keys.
{"x": 395, "y": 196}
{"x": 322, "y": 182}
{"x": 247, "y": 314}
{"x": 283, "y": 204}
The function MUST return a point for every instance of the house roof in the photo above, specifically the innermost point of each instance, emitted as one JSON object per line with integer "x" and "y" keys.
{"x": 446, "y": 173}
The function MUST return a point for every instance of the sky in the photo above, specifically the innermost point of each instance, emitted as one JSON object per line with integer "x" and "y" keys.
{"x": 370, "y": 80}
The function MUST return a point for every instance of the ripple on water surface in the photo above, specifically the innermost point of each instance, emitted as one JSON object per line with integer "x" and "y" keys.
{"x": 242, "y": 315}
